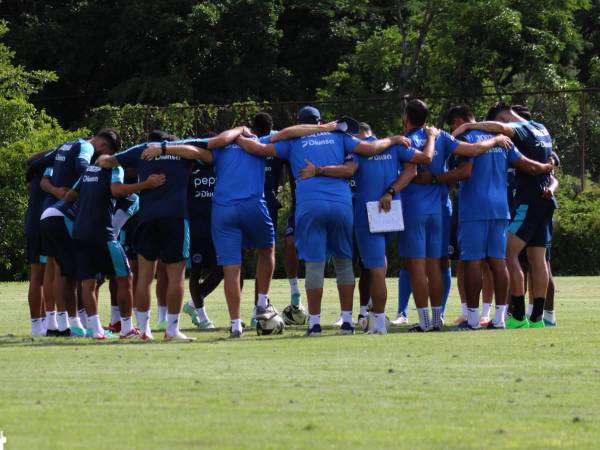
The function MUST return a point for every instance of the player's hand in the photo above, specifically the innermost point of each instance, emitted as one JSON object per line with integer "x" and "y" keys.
{"x": 503, "y": 141}
{"x": 385, "y": 202}
{"x": 155, "y": 180}
{"x": 309, "y": 171}
{"x": 460, "y": 130}
{"x": 547, "y": 193}
{"x": 330, "y": 126}
{"x": 432, "y": 131}
{"x": 400, "y": 140}
{"x": 151, "y": 151}
{"x": 60, "y": 192}
{"x": 246, "y": 132}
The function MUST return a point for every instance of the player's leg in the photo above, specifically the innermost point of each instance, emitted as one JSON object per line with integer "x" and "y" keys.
{"x": 146, "y": 270}
{"x": 125, "y": 301}
{"x": 500, "y": 280}
{"x": 487, "y": 292}
{"x": 48, "y": 291}
{"x": 446, "y": 271}
{"x": 539, "y": 280}
{"x": 473, "y": 237}
{"x": 162, "y": 284}
{"x": 549, "y": 315}
{"x": 434, "y": 251}
{"x": 404, "y": 292}
{"x": 233, "y": 295}
{"x": 290, "y": 260}
{"x": 87, "y": 257}
{"x": 174, "y": 297}
{"x": 88, "y": 288}
{"x": 462, "y": 293}
{"x": 115, "y": 312}
{"x": 36, "y": 299}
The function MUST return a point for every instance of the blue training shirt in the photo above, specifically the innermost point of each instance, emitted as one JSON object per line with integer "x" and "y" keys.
{"x": 483, "y": 195}
{"x": 322, "y": 149}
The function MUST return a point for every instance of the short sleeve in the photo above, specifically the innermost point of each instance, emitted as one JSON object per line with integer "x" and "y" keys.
{"x": 86, "y": 151}
{"x": 48, "y": 171}
{"x": 520, "y": 134}
{"x": 196, "y": 142}
{"x": 403, "y": 153}
{"x": 265, "y": 139}
{"x": 283, "y": 148}
{"x": 350, "y": 143}
{"x": 117, "y": 175}
{"x": 513, "y": 154}
{"x": 130, "y": 157}
{"x": 449, "y": 143}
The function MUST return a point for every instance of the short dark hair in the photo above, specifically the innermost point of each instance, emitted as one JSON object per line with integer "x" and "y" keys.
{"x": 416, "y": 111}
{"x": 160, "y": 135}
{"x": 364, "y": 127}
{"x": 111, "y": 137}
{"x": 262, "y": 124}
{"x": 496, "y": 109}
{"x": 522, "y": 110}
{"x": 459, "y": 112}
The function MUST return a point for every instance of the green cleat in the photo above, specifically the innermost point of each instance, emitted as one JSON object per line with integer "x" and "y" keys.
{"x": 161, "y": 326}
{"x": 78, "y": 332}
{"x": 538, "y": 324}
{"x": 205, "y": 325}
{"x": 192, "y": 313}
{"x": 513, "y": 324}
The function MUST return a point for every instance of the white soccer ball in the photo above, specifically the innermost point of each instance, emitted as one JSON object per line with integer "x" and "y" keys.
{"x": 293, "y": 315}
{"x": 274, "y": 325}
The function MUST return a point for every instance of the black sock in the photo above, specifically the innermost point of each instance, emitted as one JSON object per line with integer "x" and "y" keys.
{"x": 538, "y": 309}
{"x": 518, "y": 306}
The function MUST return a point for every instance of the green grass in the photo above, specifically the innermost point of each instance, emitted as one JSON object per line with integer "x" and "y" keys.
{"x": 512, "y": 389}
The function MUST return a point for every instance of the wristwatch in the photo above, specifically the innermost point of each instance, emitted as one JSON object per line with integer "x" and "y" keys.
{"x": 391, "y": 191}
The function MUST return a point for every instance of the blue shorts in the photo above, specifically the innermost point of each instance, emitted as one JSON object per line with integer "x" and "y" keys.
{"x": 202, "y": 250}
{"x": 446, "y": 231}
{"x": 323, "y": 229}
{"x": 100, "y": 258}
{"x": 56, "y": 233}
{"x": 246, "y": 224}
{"x": 167, "y": 239}
{"x": 422, "y": 237}
{"x": 481, "y": 239}
{"x": 371, "y": 246}
{"x": 533, "y": 223}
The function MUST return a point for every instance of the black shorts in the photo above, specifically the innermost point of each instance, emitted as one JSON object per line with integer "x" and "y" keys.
{"x": 167, "y": 239}
{"x": 58, "y": 243}
{"x": 532, "y": 223}
{"x": 453, "y": 248}
{"x": 202, "y": 250}
{"x": 35, "y": 253}
{"x": 96, "y": 259}
{"x": 291, "y": 223}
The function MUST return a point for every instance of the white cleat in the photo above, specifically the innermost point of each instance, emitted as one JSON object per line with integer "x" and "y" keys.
{"x": 178, "y": 337}
{"x": 400, "y": 320}
{"x": 376, "y": 332}
{"x": 338, "y": 323}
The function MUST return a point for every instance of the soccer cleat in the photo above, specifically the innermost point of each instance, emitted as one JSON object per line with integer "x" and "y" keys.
{"x": 460, "y": 319}
{"x": 64, "y": 333}
{"x": 237, "y": 334}
{"x": 179, "y": 336}
{"x": 192, "y": 313}
{"x": 205, "y": 325}
{"x": 265, "y": 312}
{"x": 484, "y": 321}
{"x": 346, "y": 329}
{"x": 375, "y": 331}
{"x": 491, "y": 326}
{"x": 416, "y": 329}
{"x": 134, "y": 334}
{"x": 363, "y": 322}
{"x": 161, "y": 326}
{"x": 435, "y": 329}
{"x": 78, "y": 332}
{"x": 146, "y": 337}
{"x": 537, "y": 324}
{"x": 51, "y": 333}
{"x": 338, "y": 323}
{"x": 547, "y": 323}
{"x": 401, "y": 319}
{"x": 466, "y": 327}
{"x": 314, "y": 331}
{"x": 114, "y": 327}
{"x": 513, "y": 324}
{"x": 100, "y": 337}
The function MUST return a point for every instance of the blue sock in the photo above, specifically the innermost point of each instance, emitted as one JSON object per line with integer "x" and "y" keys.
{"x": 404, "y": 291}
{"x": 447, "y": 280}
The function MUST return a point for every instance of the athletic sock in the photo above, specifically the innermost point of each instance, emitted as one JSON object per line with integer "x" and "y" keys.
{"x": 143, "y": 320}
{"x": 191, "y": 304}
{"x": 172, "y": 324}
{"x": 51, "y": 320}
{"x": 126, "y": 325}
{"x": 363, "y": 310}
{"x": 263, "y": 300}
{"x": 485, "y": 310}
{"x": 436, "y": 312}
{"x": 62, "y": 320}
{"x": 518, "y": 306}
{"x": 83, "y": 317}
{"x": 379, "y": 321}
{"x": 202, "y": 316}
{"x": 162, "y": 314}
{"x": 424, "y": 321}
{"x": 37, "y": 327}
{"x": 294, "y": 289}
{"x": 529, "y": 309}
{"x": 404, "y": 291}
{"x": 75, "y": 322}
{"x": 236, "y": 325}
{"x": 463, "y": 308}
{"x": 498, "y": 320}
{"x": 549, "y": 316}
{"x": 94, "y": 323}
{"x": 314, "y": 319}
{"x": 538, "y": 309}
{"x": 447, "y": 279}
{"x": 473, "y": 317}
{"x": 347, "y": 317}
{"x": 115, "y": 314}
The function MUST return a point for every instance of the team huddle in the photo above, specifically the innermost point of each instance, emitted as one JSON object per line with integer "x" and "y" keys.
{"x": 482, "y": 195}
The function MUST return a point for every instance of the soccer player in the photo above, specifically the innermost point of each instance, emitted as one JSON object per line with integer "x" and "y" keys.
{"x": 290, "y": 255}
{"x": 321, "y": 164}
{"x": 377, "y": 180}
{"x": 535, "y": 207}
{"x": 421, "y": 241}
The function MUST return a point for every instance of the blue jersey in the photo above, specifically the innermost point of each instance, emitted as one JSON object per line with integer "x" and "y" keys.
{"x": 424, "y": 199}
{"x": 168, "y": 200}
{"x": 375, "y": 174}
{"x": 534, "y": 142}
{"x": 322, "y": 149}
{"x": 240, "y": 175}
{"x": 38, "y": 169}
{"x": 200, "y": 191}
{"x": 483, "y": 194}
{"x": 96, "y": 204}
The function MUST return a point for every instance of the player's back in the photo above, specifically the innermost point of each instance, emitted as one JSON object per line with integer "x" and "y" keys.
{"x": 65, "y": 169}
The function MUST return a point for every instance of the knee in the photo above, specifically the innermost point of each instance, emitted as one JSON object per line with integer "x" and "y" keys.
{"x": 315, "y": 275}
{"x": 344, "y": 271}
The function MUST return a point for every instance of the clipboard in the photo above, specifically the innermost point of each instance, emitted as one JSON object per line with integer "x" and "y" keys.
{"x": 382, "y": 222}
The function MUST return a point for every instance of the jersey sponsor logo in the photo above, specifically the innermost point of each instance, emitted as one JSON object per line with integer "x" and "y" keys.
{"x": 417, "y": 142}
{"x": 204, "y": 181}
{"x": 203, "y": 194}
{"x": 313, "y": 142}
{"x": 384, "y": 157}
{"x": 94, "y": 168}
{"x": 60, "y": 157}
{"x": 166, "y": 158}
{"x": 65, "y": 147}
{"x": 88, "y": 179}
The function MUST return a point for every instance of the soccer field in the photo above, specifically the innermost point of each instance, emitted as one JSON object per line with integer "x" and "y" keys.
{"x": 510, "y": 389}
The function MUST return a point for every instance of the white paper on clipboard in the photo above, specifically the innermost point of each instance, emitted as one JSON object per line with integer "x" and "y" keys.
{"x": 384, "y": 222}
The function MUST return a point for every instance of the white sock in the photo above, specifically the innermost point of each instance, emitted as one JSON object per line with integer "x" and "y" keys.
{"x": 51, "y": 320}
{"x": 236, "y": 325}
{"x": 363, "y": 310}
{"x": 126, "y": 325}
{"x": 263, "y": 300}
{"x": 162, "y": 314}
{"x": 499, "y": 315}
{"x": 549, "y": 316}
{"x": 37, "y": 327}
{"x": 347, "y": 317}
{"x": 485, "y": 310}
{"x": 379, "y": 321}
{"x": 436, "y": 312}
{"x": 83, "y": 317}
{"x": 134, "y": 313}
{"x": 115, "y": 314}
{"x": 75, "y": 322}
{"x": 202, "y": 314}
{"x": 314, "y": 319}
{"x": 191, "y": 303}
{"x": 424, "y": 321}
{"x": 529, "y": 309}
{"x": 62, "y": 320}
{"x": 295, "y": 290}
{"x": 143, "y": 320}
{"x": 94, "y": 323}
{"x": 473, "y": 317}
{"x": 172, "y": 324}
{"x": 463, "y": 307}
